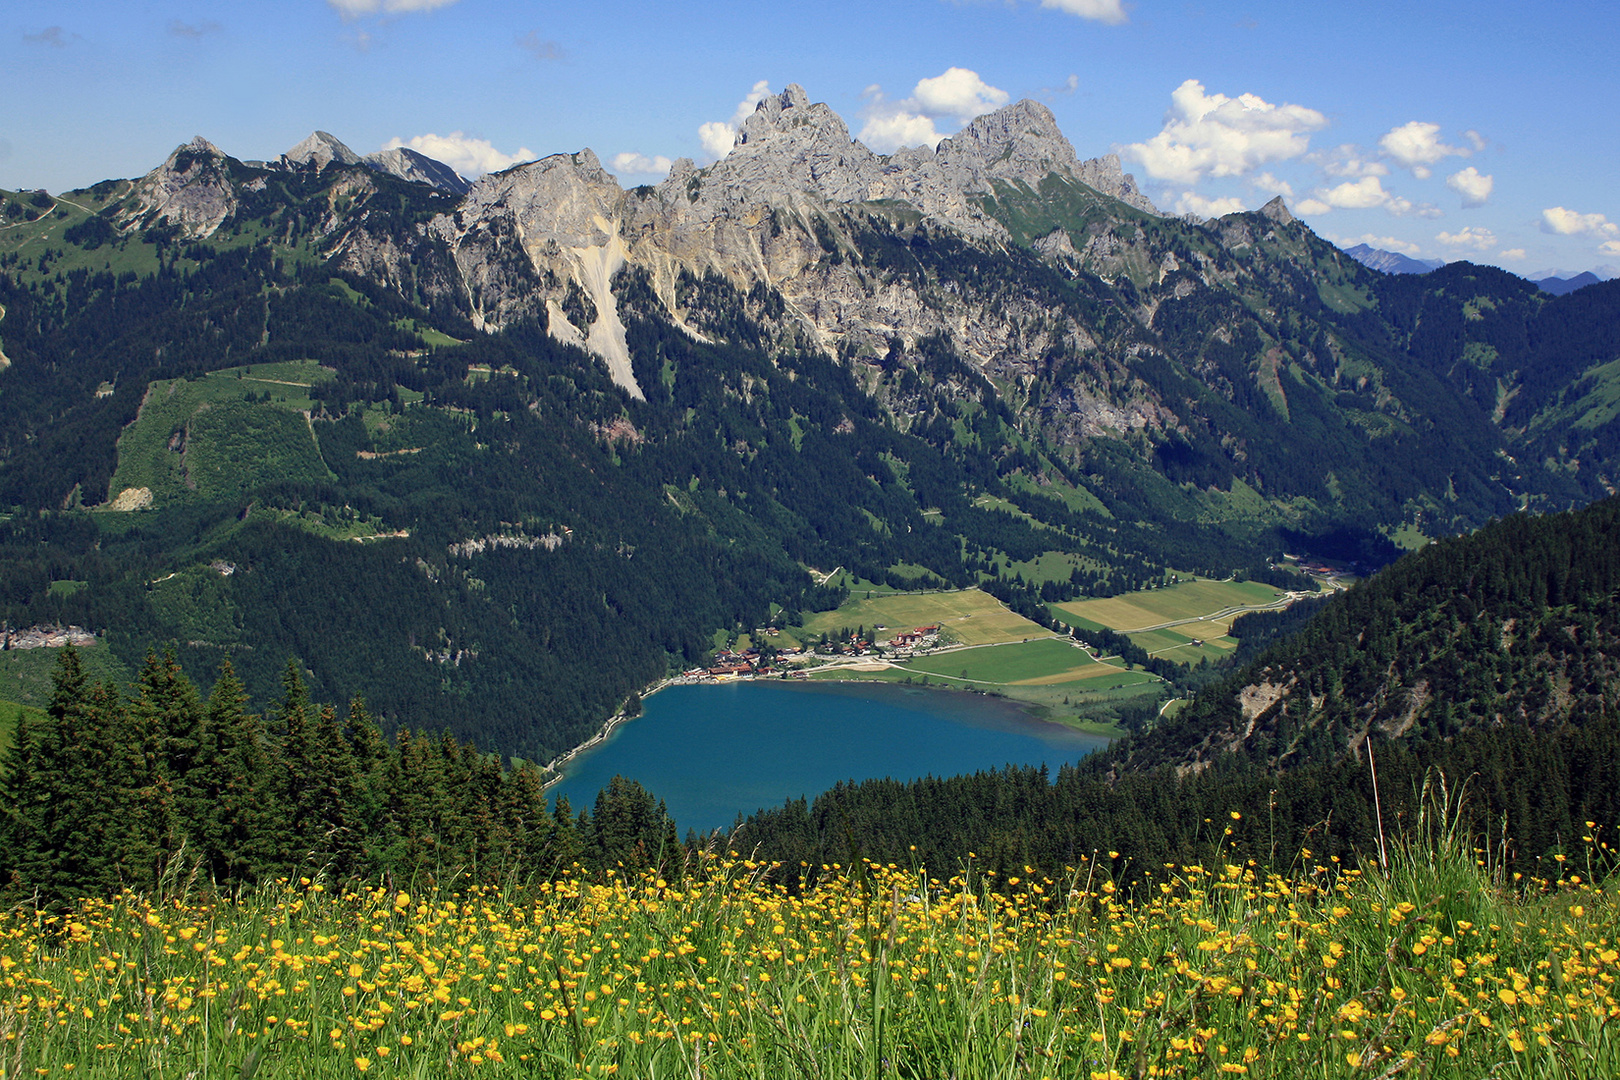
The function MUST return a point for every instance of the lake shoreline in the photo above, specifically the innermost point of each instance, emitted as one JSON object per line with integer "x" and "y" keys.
{"x": 715, "y": 750}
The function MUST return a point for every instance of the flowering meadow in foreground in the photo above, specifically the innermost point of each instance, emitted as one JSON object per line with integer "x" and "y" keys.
{"x": 870, "y": 971}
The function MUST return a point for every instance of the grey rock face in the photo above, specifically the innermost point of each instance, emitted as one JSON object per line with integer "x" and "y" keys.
{"x": 773, "y": 211}
{"x": 320, "y": 150}
{"x": 412, "y": 165}
{"x": 1105, "y": 175}
{"x": 192, "y": 189}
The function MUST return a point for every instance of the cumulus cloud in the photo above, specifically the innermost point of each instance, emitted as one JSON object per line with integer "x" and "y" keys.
{"x": 718, "y": 136}
{"x": 1363, "y": 194}
{"x": 1470, "y": 236}
{"x": 956, "y": 96}
{"x": 1609, "y": 247}
{"x": 1386, "y": 243}
{"x": 1214, "y": 135}
{"x": 958, "y": 93}
{"x": 1416, "y": 146}
{"x": 54, "y": 36}
{"x": 540, "y": 48}
{"x": 468, "y": 156}
{"x": 1191, "y": 202}
{"x": 1311, "y": 207}
{"x": 1271, "y": 185}
{"x": 1570, "y": 223}
{"x": 1472, "y": 185}
{"x": 637, "y": 164}
{"x": 1347, "y": 161}
{"x": 1518, "y": 253}
{"x": 1356, "y": 194}
{"x": 358, "y": 9}
{"x": 1111, "y": 12}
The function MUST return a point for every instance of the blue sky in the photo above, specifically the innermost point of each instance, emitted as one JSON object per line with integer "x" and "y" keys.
{"x": 1447, "y": 129}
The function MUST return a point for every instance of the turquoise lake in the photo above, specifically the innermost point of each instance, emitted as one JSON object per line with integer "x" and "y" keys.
{"x": 714, "y": 751}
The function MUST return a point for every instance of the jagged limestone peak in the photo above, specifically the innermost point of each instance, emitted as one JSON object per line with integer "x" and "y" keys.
{"x": 1020, "y": 141}
{"x": 321, "y": 149}
{"x": 191, "y": 189}
{"x": 789, "y": 148}
{"x": 1277, "y": 211}
{"x": 417, "y": 167}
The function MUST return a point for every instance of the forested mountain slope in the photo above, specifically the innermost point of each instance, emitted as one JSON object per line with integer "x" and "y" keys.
{"x": 495, "y": 459}
{"x": 1516, "y": 626}
{"x": 1484, "y": 663}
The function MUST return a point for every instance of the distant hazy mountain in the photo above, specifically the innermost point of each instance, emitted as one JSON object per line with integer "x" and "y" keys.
{"x": 1562, "y": 286}
{"x": 1391, "y": 262}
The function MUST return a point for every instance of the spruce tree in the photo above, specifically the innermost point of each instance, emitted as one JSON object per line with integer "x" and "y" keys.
{"x": 241, "y": 829}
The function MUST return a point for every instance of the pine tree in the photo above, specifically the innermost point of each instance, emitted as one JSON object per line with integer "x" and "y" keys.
{"x": 158, "y": 748}
{"x": 77, "y": 804}
{"x": 297, "y": 772}
{"x": 240, "y": 830}
{"x": 19, "y": 824}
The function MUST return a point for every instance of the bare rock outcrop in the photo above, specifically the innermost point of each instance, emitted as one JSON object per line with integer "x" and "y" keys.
{"x": 192, "y": 190}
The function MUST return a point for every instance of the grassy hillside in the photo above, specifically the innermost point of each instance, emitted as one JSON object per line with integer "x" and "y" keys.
{"x": 225, "y": 434}
{"x": 26, "y": 674}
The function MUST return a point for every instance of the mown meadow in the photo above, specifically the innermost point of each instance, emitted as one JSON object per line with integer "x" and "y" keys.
{"x": 1439, "y": 965}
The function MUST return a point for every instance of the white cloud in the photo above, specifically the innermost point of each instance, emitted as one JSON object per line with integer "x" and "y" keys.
{"x": 1070, "y": 85}
{"x": 1191, "y": 202}
{"x": 1356, "y": 194}
{"x": 958, "y": 93}
{"x": 1570, "y": 223}
{"x": 1511, "y": 253}
{"x": 1364, "y": 194}
{"x": 1214, "y": 135}
{"x": 1311, "y": 207}
{"x": 1470, "y": 236}
{"x": 1609, "y": 247}
{"x": 1472, "y": 185}
{"x": 888, "y": 131}
{"x": 637, "y": 164}
{"x": 468, "y": 156}
{"x": 1386, "y": 243}
{"x": 718, "y": 136}
{"x": 1271, "y": 185}
{"x": 1347, "y": 161}
{"x": 357, "y": 9}
{"x": 1416, "y": 146}
{"x": 957, "y": 96}
{"x": 1103, "y": 11}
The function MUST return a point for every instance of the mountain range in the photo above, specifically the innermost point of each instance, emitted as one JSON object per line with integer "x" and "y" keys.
{"x": 497, "y": 455}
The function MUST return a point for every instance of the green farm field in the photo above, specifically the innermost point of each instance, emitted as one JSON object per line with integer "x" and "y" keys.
{"x": 1139, "y": 611}
{"x": 1036, "y": 662}
{"x": 969, "y": 616}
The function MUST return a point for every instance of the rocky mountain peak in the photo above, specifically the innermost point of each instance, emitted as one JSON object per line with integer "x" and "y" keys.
{"x": 320, "y": 148}
{"x": 789, "y": 148}
{"x": 418, "y": 168}
{"x": 1020, "y": 141}
{"x": 192, "y": 189}
{"x": 1277, "y": 211}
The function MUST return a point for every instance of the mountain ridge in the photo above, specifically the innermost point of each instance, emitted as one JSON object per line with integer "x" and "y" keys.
{"x": 969, "y": 367}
